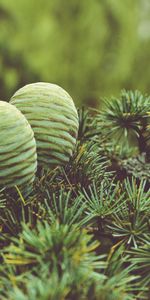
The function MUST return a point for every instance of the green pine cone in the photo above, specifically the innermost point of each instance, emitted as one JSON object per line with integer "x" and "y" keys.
{"x": 53, "y": 117}
{"x": 18, "y": 158}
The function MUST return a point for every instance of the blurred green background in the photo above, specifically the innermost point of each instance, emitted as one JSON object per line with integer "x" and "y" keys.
{"x": 92, "y": 48}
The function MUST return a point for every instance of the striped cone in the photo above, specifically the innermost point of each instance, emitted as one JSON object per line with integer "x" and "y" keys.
{"x": 53, "y": 117}
{"x": 18, "y": 158}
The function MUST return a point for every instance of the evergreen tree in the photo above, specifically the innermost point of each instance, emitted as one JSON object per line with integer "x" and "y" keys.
{"x": 84, "y": 231}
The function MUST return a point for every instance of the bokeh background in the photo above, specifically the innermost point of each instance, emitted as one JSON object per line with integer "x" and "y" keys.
{"x": 92, "y": 48}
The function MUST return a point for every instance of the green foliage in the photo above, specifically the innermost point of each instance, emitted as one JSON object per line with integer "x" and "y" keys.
{"x": 85, "y": 227}
{"x": 62, "y": 208}
{"x": 120, "y": 282}
{"x": 140, "y": 259}
{"x": 127, "y": 114}
{"x": 131, "y": 224}
{"x": 103, "y": 202}
{"x": 63, "y": 251}
{"x": 85, "y": 167}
